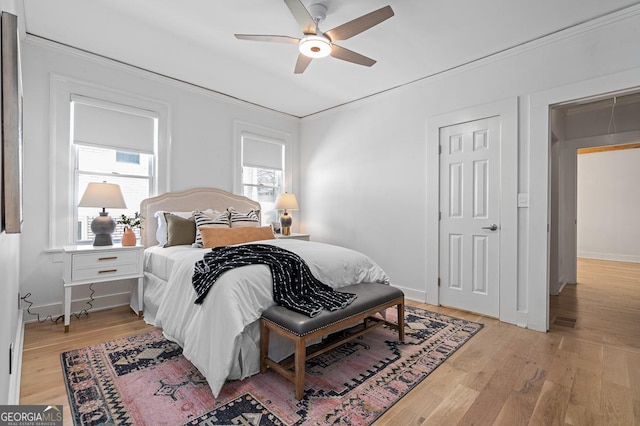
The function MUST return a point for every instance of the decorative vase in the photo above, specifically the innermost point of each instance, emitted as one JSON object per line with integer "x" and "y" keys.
{"x": 128, "y": 238}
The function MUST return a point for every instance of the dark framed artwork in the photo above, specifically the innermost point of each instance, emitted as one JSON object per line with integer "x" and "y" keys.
{"x": 12, "y": 148}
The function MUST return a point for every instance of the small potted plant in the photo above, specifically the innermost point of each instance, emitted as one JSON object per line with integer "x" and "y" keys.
{"x": 129, "y": 237}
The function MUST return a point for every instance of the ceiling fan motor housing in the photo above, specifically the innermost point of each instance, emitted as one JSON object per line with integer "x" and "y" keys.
{"x": 318, "y": 12}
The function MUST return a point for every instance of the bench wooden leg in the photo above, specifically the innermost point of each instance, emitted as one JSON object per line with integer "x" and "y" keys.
{"x": 264, "y": 345}
{"x": 300, "y": 358}
{"x": 401, "y": 321}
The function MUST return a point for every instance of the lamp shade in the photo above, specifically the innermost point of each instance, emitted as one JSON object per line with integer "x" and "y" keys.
{"x": 286, "y": 201}
{"x": 103, "y": 195}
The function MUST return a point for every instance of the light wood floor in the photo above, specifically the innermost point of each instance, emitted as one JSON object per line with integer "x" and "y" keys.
{"x": 505, "y": 375}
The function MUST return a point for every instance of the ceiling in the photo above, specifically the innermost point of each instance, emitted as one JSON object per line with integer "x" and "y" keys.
{"x": 193, "y": 41}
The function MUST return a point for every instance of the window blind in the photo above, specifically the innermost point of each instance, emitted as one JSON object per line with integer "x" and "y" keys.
{"x": 110, "y": 128}
{"x": 262, "y": 154}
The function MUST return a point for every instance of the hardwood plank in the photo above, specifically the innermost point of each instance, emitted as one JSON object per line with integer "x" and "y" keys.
{"x": 578, "y": 415}
{"x": 614, "y": 366}
{"x": 453, "y": 407}
{"x": 552, "y": 405}
{"x": 616, "y": 404}
{"x": 487, "y": 406}
{"x": 505, "y": 375}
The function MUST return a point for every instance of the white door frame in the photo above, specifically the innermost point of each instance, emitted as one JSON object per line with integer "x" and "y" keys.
{"x": 539, "y": 161}
{"x": 507, "y": 109}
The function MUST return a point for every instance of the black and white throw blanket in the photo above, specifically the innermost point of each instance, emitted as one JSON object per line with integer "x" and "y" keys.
{"x": 294, "y": 286}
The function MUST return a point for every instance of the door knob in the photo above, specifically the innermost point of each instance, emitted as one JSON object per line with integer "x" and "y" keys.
{"x": 492, "y": 227}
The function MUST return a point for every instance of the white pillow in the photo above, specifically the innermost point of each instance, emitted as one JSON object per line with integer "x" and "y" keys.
{"x": 161, "y": 233}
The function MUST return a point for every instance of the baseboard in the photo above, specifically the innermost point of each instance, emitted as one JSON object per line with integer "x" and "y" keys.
{"x": 16, "y": 368}
{"x": 610, "y": 256}
{"x": 414, "y": 295}
{"x": 54, "y": 311}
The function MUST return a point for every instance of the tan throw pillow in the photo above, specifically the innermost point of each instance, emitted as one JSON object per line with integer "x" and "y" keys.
{"x": 180, "y": 231}
{"x": 217, "y": 237}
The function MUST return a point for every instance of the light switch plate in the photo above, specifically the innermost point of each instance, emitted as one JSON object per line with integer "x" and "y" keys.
{"x": 523, "y": 200}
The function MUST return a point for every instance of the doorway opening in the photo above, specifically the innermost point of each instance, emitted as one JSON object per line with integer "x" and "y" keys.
{"x": 595, "y": 224}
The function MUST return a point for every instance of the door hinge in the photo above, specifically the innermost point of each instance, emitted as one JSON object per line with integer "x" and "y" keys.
{"x": 439, "y": 215}
{"x": 439, "y": 149}
{"x": 438, "y": 281}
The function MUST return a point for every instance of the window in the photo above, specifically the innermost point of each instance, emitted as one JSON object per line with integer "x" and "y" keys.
{"x": 263, "y": 173}
{"x": 114, "y": 144}
{"x": 89, "y": 115}
{"x": 97, "y": 164}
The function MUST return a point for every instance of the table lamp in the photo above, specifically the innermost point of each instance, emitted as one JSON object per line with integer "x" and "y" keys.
{"x": 103, "y": 195}
{"x": 286, "y": 201}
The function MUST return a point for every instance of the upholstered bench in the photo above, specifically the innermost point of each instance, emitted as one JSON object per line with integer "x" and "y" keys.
{"x": 372, "y": 298}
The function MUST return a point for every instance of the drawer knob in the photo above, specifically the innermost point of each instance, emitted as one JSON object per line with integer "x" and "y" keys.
{"x": 106, "y": 271}
{"x": 108, "y": 258}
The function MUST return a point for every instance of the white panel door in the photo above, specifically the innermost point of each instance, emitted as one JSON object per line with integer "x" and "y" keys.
{"x": 470, "y": 216}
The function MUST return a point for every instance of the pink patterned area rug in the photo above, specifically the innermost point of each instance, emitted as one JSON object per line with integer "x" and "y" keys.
{"x": 145, "y": 380}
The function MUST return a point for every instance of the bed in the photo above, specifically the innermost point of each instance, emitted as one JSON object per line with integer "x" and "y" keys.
{"x": 221, "y": 336}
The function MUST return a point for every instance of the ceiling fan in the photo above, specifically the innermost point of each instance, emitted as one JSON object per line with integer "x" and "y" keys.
{"x": 315, "y": 43}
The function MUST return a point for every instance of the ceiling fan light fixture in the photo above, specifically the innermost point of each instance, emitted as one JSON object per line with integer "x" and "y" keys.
{"x": 315, "y": 46}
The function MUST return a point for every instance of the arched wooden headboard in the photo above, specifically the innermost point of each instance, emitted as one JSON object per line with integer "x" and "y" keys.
{"x": 190, "y": 200}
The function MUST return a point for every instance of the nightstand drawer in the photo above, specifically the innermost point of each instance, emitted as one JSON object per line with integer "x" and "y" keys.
{"x": 99, "y": 260}
{"x": 86, "y": 265}
{"x": 104, "y": 272}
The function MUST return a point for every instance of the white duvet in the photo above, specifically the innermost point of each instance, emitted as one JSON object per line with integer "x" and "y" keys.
{"x": 221, "y": 337}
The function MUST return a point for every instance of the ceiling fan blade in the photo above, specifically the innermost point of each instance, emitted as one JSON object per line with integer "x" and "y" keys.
{"x": 350, "y": 56}
{"x": 302, "y": 16}
{"x": 271, "y": 38}
{"x": 302, "y": 63}
{"x": 358, "y": 25}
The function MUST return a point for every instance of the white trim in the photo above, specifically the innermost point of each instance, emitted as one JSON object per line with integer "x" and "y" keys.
{"x": 507, "y": 109}
{"x": 99, "y": 303}
{"x": 574, "y": 31}
{"x": 616, "y": 257}
{"x": 539, "y": 158}
{"x": 148, "y": 74}
{"x": 16, "y": 369}
{"x": 412, "y": 294}
{"x": 62, "y": 90}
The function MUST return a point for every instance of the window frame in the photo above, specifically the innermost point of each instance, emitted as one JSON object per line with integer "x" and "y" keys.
{"x": 248, "y": 130}
{"x": 61, "y": 197}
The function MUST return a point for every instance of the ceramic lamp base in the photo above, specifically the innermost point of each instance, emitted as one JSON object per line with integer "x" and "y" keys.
{"x": 102, "y": 227}
{"x": 285, "y": 223}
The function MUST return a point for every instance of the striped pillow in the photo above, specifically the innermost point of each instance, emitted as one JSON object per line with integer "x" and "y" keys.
{"x": 209, "y": 219}
{"x": 239, "y": 220}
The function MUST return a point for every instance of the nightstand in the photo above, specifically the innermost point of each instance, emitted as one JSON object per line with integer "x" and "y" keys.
{"x": 293, "y": 235}
{"x": 87, "y": 264}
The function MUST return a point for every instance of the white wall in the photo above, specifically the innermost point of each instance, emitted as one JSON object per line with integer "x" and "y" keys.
{"x": 608, "y": 205}
{"x": 10, "y": 329}
{"x": 9, "y": 313}
{"x": 202, "y": 151}
{"x": 364, "y": 166}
